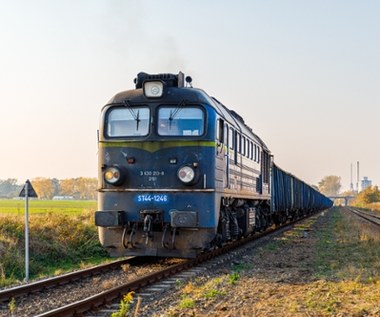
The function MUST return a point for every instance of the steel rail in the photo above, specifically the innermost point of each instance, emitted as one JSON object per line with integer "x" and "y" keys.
{"x": 366, "y": 216}
{"x": 14, "y": 292}
{"x": 366, "y": 213}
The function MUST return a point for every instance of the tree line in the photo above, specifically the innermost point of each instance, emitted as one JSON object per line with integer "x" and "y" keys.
{"x": 85, "y": 188}
{"x": 48, "y": 188}
{"x": 330, "y": 186}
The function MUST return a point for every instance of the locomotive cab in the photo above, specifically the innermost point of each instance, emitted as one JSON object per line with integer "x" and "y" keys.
{"x": 156, "y": 151}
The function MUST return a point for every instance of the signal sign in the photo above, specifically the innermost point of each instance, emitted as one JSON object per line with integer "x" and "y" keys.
{"x": 27, "y": 191}
{"x": 31, "y": 192}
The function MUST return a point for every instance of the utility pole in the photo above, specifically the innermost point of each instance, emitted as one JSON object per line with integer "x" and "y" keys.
{"x": 357, "y": 179}
{"x": 351, "y": 184}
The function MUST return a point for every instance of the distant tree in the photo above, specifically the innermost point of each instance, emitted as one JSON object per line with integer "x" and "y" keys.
{"x": 89, "y": 188}
{"x": 57, "y": 187}
{"x": 67, "y": 186}
{"x": 80, "y": 188}
{"x": 47, "y": 188}
{"x": 44, "y": 187}
{"x": 369, "y": 195}
{"x": 9, "y": 188}
{"x": 330, "y": 185}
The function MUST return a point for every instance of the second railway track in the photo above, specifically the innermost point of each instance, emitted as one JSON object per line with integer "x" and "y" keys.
{"x": 38, "y": 297}
{"x": 369, "y": 217}
{"x": 25, "y": 289}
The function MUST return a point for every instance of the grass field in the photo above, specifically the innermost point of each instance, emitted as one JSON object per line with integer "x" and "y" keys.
{"x": 62, "y": 236}
{"x": 65, "y": 207}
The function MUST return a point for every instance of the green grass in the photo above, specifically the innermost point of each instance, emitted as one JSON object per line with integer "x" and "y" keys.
{"x": 186, "y": 302}
{"x": 345, "y": 252}
{"x": 62, "y": 236}
{"x": 212, "y": 293}
{"x": 66, "y": 207}
{"x": 241, "y": 267}
{"x": 233, "y": 277}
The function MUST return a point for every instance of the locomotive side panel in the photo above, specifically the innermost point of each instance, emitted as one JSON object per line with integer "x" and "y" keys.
{"x": 239, "y": 165}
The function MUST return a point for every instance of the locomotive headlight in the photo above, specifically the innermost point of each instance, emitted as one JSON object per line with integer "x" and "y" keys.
{"x": 186, "y": 174}
{"x": 113, "y": 176}
{"x": 153, "y": 89}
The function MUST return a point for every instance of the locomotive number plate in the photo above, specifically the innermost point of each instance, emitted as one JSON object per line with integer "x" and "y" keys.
{"x": 150, "y": 198}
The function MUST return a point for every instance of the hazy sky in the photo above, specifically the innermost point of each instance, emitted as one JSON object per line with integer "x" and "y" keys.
{"x": 304, "y": 75}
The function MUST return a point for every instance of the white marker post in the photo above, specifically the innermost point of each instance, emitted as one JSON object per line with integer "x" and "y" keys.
{"x": 27, "y": 191}
{"x": 26, "y": 232}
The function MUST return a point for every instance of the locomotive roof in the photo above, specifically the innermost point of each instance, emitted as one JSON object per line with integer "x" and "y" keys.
{"x": 176, "y": 93}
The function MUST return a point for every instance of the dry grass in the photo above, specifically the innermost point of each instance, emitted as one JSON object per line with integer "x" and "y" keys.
{"x": 57, "y": 243}
{"x": 333, "y": 270}
{"x": 374, "y": 206}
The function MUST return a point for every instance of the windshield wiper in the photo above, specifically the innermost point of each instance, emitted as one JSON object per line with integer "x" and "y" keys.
{"x": 175, "y": 112}
{"x": 137, "y": 120}
{"x": 134, "y": 115}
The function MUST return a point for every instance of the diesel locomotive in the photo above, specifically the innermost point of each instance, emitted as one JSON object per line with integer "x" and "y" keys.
{"x": 180, "y": 173}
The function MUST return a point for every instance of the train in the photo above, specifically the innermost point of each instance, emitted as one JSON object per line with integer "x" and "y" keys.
{"x": 179, "y": 173}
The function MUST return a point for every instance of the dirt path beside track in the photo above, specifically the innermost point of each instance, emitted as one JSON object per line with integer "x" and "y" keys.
{"x": 308, "y": 271}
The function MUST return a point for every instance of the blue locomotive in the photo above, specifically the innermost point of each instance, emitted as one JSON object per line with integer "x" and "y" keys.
{"x": 180, "y": 173}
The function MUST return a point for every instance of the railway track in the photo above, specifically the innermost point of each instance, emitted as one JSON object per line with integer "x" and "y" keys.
{"x": 105, "y": 297}
{"x": 25, "y": 289}
{"x": 374, "y": 219}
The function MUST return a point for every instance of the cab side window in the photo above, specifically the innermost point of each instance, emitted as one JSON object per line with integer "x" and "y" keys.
{"x": 220, "y": 130}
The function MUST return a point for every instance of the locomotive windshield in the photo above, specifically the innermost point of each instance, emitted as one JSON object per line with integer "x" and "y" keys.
{"x": 180, "y": 121}
{"x": 129, "y": 121}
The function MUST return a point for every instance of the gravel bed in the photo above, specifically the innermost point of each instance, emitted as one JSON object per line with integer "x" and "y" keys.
{"x": 49, "y": 299}
{"x": 264, "y": 273}
{"x": 163, "y": 302}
